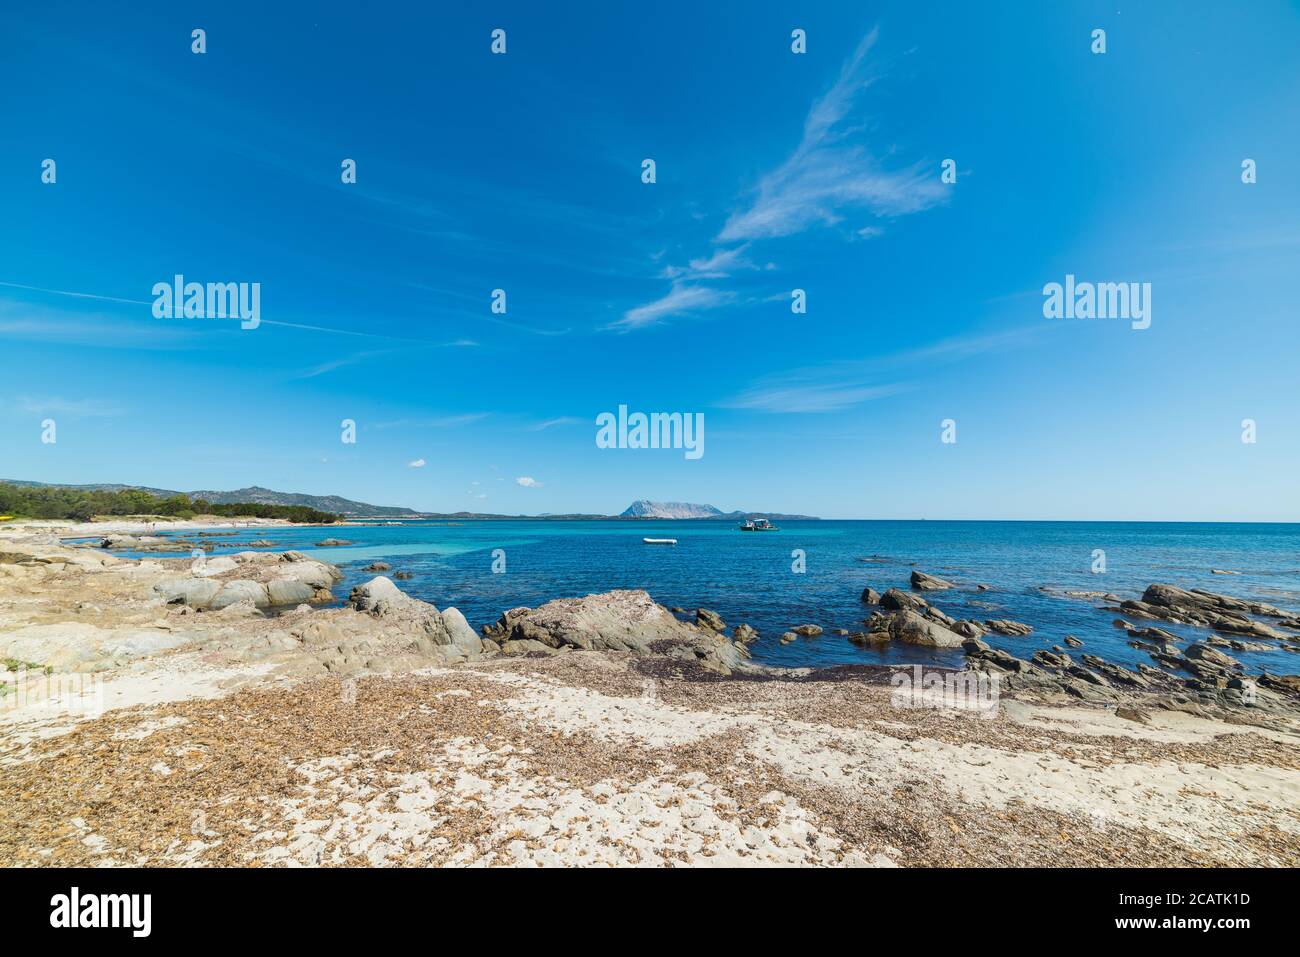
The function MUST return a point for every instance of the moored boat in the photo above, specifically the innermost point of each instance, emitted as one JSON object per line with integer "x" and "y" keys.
{"x": 758, "y": 525}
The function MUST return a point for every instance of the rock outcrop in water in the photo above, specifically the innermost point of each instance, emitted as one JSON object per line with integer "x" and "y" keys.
{"x": 626, "y": 621}
{"x": 152, "y": 543}
{"x": 923, "y": 582}
{"x": 911, "y": 619}
{"x": 710, "y": 620}
{"x": 1004, "y": 626}
{"x": 1222, "y": 613}
{"x": 913, "y": 629}
{"x": 1203, "y": 677}
{"x": 897, "y": 600}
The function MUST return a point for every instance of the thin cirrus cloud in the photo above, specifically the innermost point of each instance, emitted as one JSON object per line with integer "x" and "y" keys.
{"x": 825, "y": 175}
{"x": 439, "y": 422}
{"x": 527, "y": 481}
{"x": 110, "y": 333}
{"x": 340, "y": 363}
{"x": 818, "y": 184}
{"x": 805, "y": 391}
{"x": 416, "y": 464}
{"x": 553, "y": 423}
{"x": 717, "y": 266}
{"x": 681, "y": 300}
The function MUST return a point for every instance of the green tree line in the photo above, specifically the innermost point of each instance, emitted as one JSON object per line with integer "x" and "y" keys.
{"x": 45, "y": 501}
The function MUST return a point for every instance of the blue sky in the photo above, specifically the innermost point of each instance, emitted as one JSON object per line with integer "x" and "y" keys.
{"x": 775, "y": 171}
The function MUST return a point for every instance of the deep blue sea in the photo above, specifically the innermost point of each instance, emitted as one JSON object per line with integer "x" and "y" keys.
{"x": 749, "y": 577}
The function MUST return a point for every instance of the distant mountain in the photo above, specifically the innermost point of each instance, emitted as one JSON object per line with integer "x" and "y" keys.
{"x": 644, "y": 508}
{"x": 256, "y": 495}
{"x": 325, "y": 503}
{"x": 253, "y": 495}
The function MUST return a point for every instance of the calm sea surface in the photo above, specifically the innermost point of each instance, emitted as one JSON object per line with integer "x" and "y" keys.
{"x": 748, "y": 577}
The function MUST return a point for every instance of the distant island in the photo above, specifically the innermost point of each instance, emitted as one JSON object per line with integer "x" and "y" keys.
{"x": 641, "y": 509}
{"x": 644, "y": 508}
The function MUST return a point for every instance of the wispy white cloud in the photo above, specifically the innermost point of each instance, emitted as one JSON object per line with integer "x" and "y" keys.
{"x": 796, "y": 394}
{"x": 826, "y": 178}
{"x": 78, "y": 295}
{"x": 417, "y": 464}
{"x": 552, "y": 423}
{"x": 681, "y": 300}
{"x": 43, "y": 327}
{"x": 826, "y": 175}
{"x": 340, "y": 363}
{"x": 720, "y": 265}
{"x": 527, "y": 481}
{"x": 437, "y": 422}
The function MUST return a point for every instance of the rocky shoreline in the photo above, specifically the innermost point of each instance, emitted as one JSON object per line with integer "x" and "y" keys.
{"x": 1200, "y": 677}
{"x": 202, "y": 663}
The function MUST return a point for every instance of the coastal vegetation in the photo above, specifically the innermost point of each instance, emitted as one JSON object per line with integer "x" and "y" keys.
{"x": 82, "y": 505}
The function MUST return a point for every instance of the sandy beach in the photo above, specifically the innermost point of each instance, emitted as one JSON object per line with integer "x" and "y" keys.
{"x": 159, "y": 730}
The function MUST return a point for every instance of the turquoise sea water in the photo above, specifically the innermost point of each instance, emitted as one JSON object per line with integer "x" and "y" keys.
{"x": 748, "y": 577}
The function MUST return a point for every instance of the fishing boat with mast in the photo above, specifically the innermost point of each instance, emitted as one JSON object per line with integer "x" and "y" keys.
{"x": 758, "y": 525}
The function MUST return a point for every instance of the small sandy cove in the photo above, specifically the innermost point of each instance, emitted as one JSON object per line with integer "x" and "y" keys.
{"x": 172, "y": 736}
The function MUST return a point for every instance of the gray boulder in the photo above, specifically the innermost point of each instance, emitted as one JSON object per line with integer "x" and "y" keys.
{"x": 319, "y": 575}
{"x": 284, "y": 591}
{"x": 622, "y": 620}
{"x": 1200, "y": 652}
{"x": 1050, "y": 659}
{"x": 1003, "y": 626}
{"x": 709, "y": 619}
{"x": 380, "y": 598}
{"x": 241, "y": 590}
{"x": 923, "y": 582}
{"x": 911, "y": 628}
{"x": 461, "y": 634}
{"x": 896, "y": 600}
{"x": 195, "y": 592}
